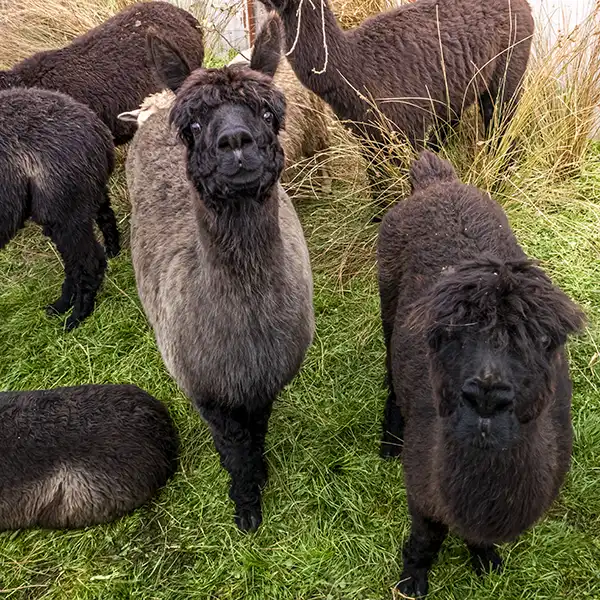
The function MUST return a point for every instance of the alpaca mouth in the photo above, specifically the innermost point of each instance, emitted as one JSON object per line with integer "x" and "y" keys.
{"x": 243, "y": 178}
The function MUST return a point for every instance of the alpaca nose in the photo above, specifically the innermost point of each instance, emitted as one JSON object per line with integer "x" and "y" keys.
{"x": 235, "y": 140}
{"x": 488, "y": 397}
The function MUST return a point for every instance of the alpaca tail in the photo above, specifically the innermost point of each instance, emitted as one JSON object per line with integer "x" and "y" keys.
{"x": 430, "y": 169}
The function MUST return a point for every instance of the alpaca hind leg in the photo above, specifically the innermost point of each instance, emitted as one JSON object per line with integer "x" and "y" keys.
{"x": 486, "y": 106}
{"x": 426, "y": 539}
{"x": 484, "y": 559}
{"x": 233, "y": 440}
{"x": 107, "y": 223}
{"x": 85, "y": 264}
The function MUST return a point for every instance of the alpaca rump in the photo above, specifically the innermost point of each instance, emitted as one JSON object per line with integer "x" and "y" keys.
{"x": 307, "y": 119}
{"x": 56, "y": 157}
{"x": 219, "y": 256}
{"x": 475, "y": 336}
{"x": 106, "y": 68}
{"x": 419, "y": 65}
{"x": 78, "y": 456}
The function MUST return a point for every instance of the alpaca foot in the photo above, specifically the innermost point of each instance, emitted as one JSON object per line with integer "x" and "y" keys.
{"x": 485, "y": 559}
{"x": 248, "y": 519}
{"x": 413, "y": 584}
{"x": 73, "y": 322}
{"x": 60, "y": 307}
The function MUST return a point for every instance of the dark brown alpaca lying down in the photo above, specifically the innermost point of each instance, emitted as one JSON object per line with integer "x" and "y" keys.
{"x": 480, "y": 395}
{"x": 77, "y": 456}
{"x": 422, "y": 63}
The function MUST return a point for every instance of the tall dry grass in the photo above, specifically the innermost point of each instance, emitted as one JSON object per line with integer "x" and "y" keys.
{"x": 351, "y": 13}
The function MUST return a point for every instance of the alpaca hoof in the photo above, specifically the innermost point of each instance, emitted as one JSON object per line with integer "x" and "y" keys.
{"x": 57, "y": 308}
{"x": 248, "y": 519}
{"x": 412, "y": 586}
{"x": 72, "y": 322}
{"x": 485, "y": 560}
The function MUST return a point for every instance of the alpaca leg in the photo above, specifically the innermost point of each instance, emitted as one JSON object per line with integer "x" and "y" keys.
{"x": 107, "y": 224}
{"x": 424, "y": 543}
{"x": 393, "y": 427}
{"x": 484, "y": 559}
{"x": 85, "y": 263}
{"x": 486, "y": 105}
{"x": 233, "y": 440}
{"x": 259, "y": 425}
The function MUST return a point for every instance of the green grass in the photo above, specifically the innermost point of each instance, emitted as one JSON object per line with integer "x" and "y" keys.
{"x": 335, "y": 515}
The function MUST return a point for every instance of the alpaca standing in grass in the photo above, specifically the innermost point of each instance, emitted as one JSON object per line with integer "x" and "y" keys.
{"x": 220, "y": 260}
{"x": 418, "y": 65}
{"x": 56, "y": 157}
{"x": 106, "y": 68}
{"x": 480, "y": 395}
{"x": 77, "y": 456}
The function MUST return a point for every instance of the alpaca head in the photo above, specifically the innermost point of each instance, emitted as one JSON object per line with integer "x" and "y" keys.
{"x": 228, "y": 119}
{"x": 495, "y": 332}
{"x": 151, "y": 105}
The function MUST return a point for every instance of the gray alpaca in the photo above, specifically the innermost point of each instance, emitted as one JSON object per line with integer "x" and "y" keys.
{"x": 220, "y": 259}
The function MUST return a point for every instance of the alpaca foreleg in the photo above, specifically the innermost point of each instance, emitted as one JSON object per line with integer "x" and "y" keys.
{"x": 419, "y": 553}
{"x": 259, "y": 425}
{"x": 241, "y": 458}
{"x": 393, "y": 427}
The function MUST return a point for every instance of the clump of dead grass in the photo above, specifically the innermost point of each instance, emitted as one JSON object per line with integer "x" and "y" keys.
{"x": 351, "y": 13}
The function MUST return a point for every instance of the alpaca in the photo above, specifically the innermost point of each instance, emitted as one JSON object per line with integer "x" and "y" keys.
{"x": 106, "y": 68}
{"x": 418, "y": 65}
{"x": 56, "y": 157}
{"x": 221, "y": 264}
{"x": 78, "y": 456}
{"x": 307, "y": 120}
{"x": 475, "y": 336}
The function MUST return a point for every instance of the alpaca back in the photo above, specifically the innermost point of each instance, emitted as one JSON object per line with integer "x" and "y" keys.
{"x": 222, "y": 335}
{"x": 73, "y": 457}
{"x": 107, "y": 69}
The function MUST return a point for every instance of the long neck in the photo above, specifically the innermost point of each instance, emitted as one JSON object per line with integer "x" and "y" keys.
{"x": 313, "y": 50}
{"x": 243, "y": 236}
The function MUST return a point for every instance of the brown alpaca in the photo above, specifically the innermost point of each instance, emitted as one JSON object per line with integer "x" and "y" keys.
{"x": 422, "y": 64}
{"x": 106, "y": 68}
{"x": 480, "y": 395}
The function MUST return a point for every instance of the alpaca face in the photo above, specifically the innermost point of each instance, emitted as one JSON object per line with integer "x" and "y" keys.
{"x": 233, "y": 149}
{"x": 496, "y": 333}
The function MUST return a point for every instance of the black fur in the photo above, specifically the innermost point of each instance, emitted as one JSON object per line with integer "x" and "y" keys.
{"x": 480, "y": 395}
{"x": 76, "y": 456}
{"x": 56, "y": 157}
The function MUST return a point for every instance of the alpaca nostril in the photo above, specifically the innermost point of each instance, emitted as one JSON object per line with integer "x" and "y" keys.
{"x": 238, "y": 139}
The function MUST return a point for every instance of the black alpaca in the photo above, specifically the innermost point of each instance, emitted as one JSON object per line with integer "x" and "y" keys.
{"x": 56, "y": 157}
{"x": 480, "y": 395}
{"x": 76, "y": 456}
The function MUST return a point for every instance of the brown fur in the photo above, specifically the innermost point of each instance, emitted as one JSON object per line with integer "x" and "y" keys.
{"x": 106, "y": 68}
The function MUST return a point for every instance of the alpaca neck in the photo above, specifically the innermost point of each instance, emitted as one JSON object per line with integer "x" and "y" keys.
{"x": 304, "y": 33}
{"x": 492, "y": 496}
{"x": 243, "y": 235}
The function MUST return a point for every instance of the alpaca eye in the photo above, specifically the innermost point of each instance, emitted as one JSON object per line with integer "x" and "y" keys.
{"x": 268, "y": 116}
{"x": 196, "y": 127}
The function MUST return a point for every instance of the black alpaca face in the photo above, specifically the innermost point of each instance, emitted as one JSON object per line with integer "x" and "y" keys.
{"x": 495, "y": 332}
{"x": 228, "y": 118}
{"x": 233, "y": 148}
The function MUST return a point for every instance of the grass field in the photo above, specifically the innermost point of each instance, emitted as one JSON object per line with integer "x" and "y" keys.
{"x": 335, "y": 514}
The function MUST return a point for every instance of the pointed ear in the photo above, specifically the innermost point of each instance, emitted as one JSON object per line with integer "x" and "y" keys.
{"x": 267, "y": 47}
{"x": 130, "y": 116}
{"x": 170, "y": 67}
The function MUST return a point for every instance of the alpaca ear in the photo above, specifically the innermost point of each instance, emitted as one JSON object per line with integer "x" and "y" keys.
{"x": 170, "y": 67}
{"x": 267, "y": 47}
{"x": 130, "y": 116}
